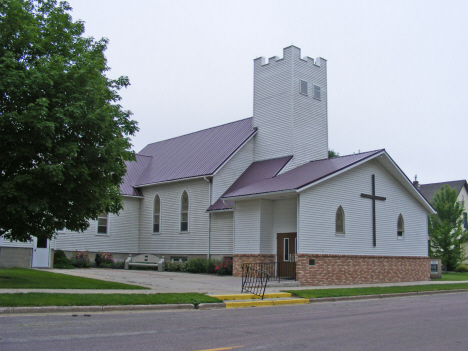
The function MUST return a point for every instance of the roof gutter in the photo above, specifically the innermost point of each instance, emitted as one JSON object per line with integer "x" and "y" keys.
{"x": 172, "y": 181}
{"x": 261, "y": 195}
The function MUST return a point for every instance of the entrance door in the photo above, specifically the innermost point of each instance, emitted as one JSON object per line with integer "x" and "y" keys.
{"x": 286, "y": 246}
{"x": 41, "y": 253}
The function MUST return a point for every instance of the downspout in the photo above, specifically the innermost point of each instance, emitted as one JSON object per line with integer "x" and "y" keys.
{"x": 209, "y": 218}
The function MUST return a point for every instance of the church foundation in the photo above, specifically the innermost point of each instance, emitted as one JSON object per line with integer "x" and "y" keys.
{"x": 322, "y": 269}
{"x": 239, "y": 259}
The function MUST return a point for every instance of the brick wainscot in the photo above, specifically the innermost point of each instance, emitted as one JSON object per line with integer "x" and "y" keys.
{"x": 238, "y": 259}
{"x": 324, "y": 269}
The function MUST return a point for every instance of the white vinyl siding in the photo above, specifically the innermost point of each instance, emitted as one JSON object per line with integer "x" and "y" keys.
{"x": 171, "y": 240}
{"x": 232, "y": 170}
{"x": 247, "y": 227}
{"x": 222, "y": 233}
{"x": 318, "y": 206}
{"x": 290, "y": 123}
{"x": 122, "y": 236}
{"x": 267, "y": 239}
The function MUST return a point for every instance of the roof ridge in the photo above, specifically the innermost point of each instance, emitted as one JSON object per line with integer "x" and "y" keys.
{"x": 198, "y": 131}
{"x": 328, "y": 158}
{"x": 450, "y": 181}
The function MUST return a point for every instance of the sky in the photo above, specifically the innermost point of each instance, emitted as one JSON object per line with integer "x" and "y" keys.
{"x": 397, "y": 70}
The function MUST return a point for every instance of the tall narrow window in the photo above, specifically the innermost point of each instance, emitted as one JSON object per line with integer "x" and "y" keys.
{"x": 340, "y": 224}
{"x": 156, "y": 214}
{"x": 303, "y": 87}
{"x": 317, "y": 94}
{"x": 184, "y": 211}
{"x": 464, "y": 220}
{"x": 103, "y": 221}
{"x": 286, "y": 249}
{"x": 401, "y": 226}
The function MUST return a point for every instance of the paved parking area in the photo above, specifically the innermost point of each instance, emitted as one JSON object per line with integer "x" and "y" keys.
{"x": 172, "y": 282}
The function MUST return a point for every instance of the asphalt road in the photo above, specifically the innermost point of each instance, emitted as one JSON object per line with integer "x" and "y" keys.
{"x": 430, "y": 322}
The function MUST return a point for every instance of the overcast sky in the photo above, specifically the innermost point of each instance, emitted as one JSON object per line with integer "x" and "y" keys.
{"x": 397, "y": 70}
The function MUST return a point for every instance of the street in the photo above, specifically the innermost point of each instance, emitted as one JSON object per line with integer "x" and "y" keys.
{"x": 430, "y": 322}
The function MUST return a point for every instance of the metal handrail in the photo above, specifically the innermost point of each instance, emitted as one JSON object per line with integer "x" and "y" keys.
{"x": 254, "y": 280}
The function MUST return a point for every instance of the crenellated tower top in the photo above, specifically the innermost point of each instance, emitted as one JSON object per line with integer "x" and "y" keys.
{"x": 290, "y": 107}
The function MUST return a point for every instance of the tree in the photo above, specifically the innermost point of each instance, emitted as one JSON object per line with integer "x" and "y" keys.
{"x": 64, "y": 138}
{"x": 332, "y": 153}
{"x": 445, "y": 228}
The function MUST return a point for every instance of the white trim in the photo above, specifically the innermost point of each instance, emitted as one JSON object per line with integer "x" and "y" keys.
{"x": 188, "y": 212}
{"x": 160, "y": 211}
{"x": 107, "y": 226}
{"x": 172, "y": 181}
{"x": 305, "y": 187}
{"x": 234, "y": 153}
{"x": 260, "y": 195}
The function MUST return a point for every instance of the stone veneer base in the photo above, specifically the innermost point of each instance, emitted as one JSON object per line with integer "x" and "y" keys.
{"x": 360, "y": 269}
{"x": 239, "y": 259}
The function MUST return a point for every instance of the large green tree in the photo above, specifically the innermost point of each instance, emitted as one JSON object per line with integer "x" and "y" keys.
{"x": 64, "y": 138}
{"x": 445, "y": 228}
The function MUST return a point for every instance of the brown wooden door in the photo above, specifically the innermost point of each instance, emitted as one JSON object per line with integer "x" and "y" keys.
{"x": 286, "y": 246}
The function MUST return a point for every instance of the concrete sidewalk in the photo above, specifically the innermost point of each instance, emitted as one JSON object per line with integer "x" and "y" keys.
{"x": 173, "y": 282}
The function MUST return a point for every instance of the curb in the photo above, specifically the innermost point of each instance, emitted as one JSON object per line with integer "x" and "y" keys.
{"x": 383, "y": 296}
{"x": 203, "y": 306}
{"x": 58, "y": 309}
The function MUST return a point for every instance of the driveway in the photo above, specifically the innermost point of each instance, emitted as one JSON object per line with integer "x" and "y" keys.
{"x": 163, "y": 282}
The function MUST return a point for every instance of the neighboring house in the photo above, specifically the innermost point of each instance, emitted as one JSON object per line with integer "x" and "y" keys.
{"x": 461, "y": 187}
{"x": 262, "y": 189}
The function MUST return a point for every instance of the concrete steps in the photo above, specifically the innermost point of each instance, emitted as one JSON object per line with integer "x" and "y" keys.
{"x": 250, "y": 300}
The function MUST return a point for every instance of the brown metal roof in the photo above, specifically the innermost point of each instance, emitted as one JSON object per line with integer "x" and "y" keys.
{"x": 302, "y": 175}
{"x": 134, "y": 171}
{"x": 255, "y": 172}
{"x": 193, "y": 155}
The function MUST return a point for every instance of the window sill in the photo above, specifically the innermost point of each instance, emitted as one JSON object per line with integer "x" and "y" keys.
{"x": 159, "y": 233}
{"x": 102, "y": 234}
{"x": 340, "y": 234}
{"x": 400, "y": 238}
{"x": 187, "y": 232}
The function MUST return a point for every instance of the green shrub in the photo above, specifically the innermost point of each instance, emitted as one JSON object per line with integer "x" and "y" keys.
{"x": 61, "y": 261}
{"x": 104, "y": 259}
{"x": 176, "y": 266}
{"x": 224, "y": 267}
{"x": 462, "y": 268}
{"x": 211, "y": 265}
{"x": 80, "y": 259}
{"x": 196, "y": 265}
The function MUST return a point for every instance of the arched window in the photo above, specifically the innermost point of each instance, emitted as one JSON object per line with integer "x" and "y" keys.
{"x": 400, "y": 226}
{"x": 184, "y": 212}
{"x": 340, "y": 221}
{"x": 156, "y": 214}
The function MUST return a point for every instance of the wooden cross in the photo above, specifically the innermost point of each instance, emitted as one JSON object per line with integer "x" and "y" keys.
{"x": 374, "y": 197}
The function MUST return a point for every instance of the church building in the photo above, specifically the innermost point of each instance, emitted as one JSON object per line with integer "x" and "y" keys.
{"x": 262, "y": 189}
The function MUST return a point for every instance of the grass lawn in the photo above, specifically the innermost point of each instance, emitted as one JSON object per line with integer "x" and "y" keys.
{"x": 23, "y": 278}
{"x": 45, "y": 299}
{"x": 451, "y": 276}
{"x": 313, "y": 293}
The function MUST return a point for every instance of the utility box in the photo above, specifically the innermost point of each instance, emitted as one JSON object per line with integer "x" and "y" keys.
{"x": 436, "y": 268}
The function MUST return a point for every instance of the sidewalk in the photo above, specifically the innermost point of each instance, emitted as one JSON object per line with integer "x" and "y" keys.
{"x": 178, "y": 282}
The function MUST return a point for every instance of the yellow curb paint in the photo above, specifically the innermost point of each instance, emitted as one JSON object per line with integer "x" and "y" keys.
{"x": 241, "y": 304}
{"x": 222, "y": 348}
{"x": 291, "y": 302}
{"x": 250, "y": 296}
{"x": 262, "y": 303}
